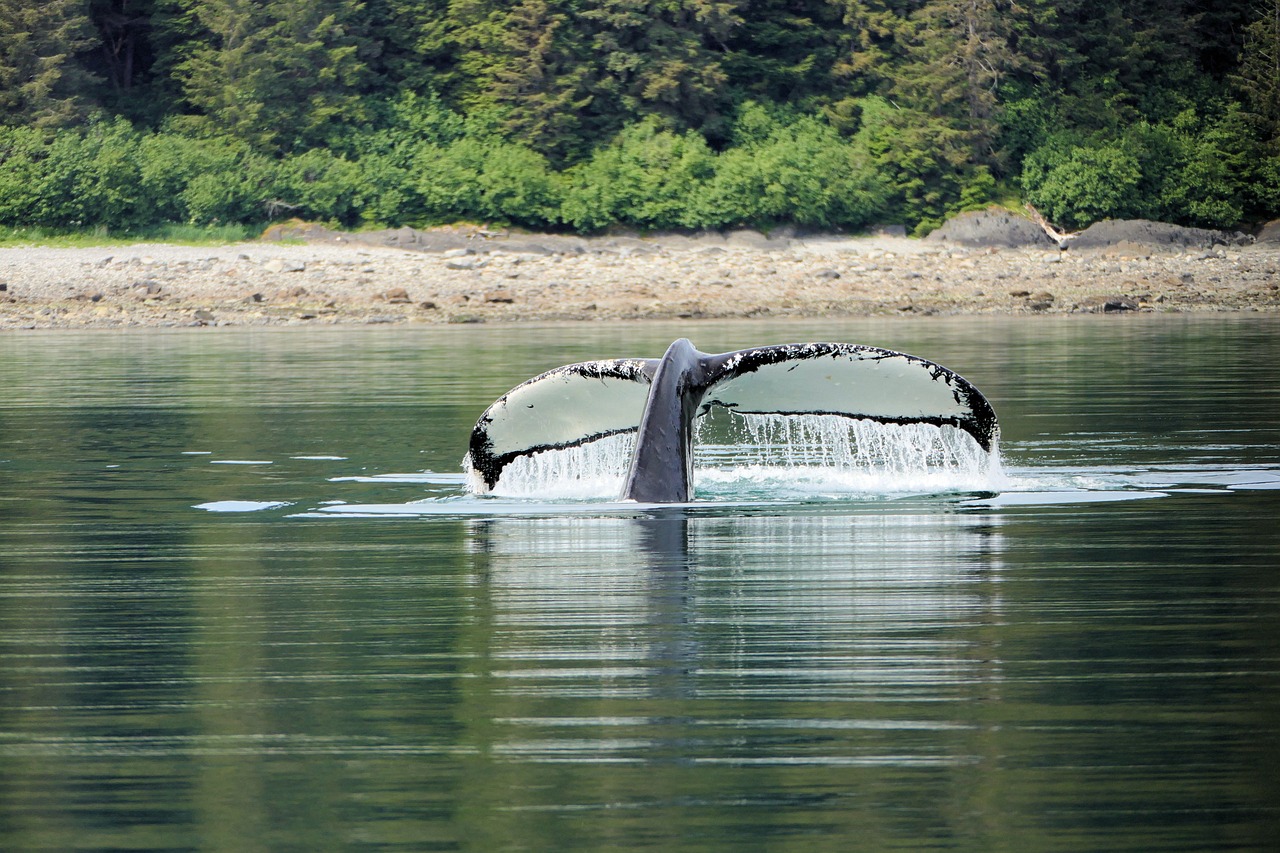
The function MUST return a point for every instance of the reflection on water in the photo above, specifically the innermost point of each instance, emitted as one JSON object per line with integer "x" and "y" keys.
{"x": 236, "y": 614}
{"x": 866, "y": 607}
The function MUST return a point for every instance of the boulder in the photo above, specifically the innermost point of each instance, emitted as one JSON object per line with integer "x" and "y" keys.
{"x": 1127, "y": 234}
{"x": 1270, "y": 232}
{"x": 993, "y": 227}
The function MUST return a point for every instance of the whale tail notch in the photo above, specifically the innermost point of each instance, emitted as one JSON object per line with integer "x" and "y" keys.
{"x": 659, "y": 399}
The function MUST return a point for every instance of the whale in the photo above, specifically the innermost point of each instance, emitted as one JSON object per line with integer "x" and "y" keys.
{"x": 660, "y": 399}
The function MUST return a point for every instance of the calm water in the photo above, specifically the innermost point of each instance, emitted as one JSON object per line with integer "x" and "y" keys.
{"x": 245, "y": 604}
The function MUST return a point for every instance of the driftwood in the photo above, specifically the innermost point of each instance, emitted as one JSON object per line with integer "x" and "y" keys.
{"x": 1062, "y": 238}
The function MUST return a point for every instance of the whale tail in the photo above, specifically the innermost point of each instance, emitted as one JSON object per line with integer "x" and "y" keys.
{"x": 659, "y": 399}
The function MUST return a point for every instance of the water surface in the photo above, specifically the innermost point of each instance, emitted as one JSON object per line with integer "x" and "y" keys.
{"x": 246, "y": 603}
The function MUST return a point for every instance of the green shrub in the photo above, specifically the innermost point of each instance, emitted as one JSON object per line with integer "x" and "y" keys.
{"x": 391, "y": 195}
{"x": 89, "y": 178}
{"x": 798, "y": 171}
{"x": 1188, "y": 171}
{"x": 485, "y": 180}
{"x": 319, "y": 186}
{"x": 646, "y": 177}
{"x": 1084, "y": 184}
{"x": 21, "y": 151}
{"x": 238, "y": 190}
{"x": 202, "y": 181}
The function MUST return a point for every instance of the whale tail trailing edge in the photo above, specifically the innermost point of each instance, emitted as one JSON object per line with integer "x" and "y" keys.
{"x": 660, "y": 398}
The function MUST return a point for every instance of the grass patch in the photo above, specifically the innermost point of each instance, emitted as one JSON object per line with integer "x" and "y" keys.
{"x": 183, "y": 235}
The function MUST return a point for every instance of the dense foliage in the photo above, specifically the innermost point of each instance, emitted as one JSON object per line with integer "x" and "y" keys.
{"x": 586, "y": 114}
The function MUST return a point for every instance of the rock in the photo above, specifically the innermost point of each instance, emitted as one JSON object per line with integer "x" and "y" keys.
{"x": 457, "y": 253}
{"x": 749, "y": 239}
{"x": 459, "y": 264}
{"x": 205, "y": 316}
{"x": 148, "y": 289}
{"x": 1135, "y": 235}
{"x": 1109, "y": 304}
{"x": 500, "y": 296}
{"x": 828, "y": 274}
{"x": 888, "y": 231}
{"x": 283, "y": 265}
{"x": 397, "y": 296}
{"x": 992, "y": 227}
{"x": 297, "y": 229}
{"x": 1270, "y": 232}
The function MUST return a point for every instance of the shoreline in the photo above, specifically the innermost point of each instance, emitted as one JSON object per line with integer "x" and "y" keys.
{"x": 335, "y": 279}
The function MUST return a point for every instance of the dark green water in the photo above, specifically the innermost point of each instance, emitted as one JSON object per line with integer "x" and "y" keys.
{"x": 1052, "y": 668}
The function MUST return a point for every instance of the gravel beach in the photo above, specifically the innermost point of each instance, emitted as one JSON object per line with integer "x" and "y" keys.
{"x": 310, "y": 276}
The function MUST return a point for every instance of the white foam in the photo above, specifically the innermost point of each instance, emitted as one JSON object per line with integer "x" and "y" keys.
{"x": 240, "y": 506}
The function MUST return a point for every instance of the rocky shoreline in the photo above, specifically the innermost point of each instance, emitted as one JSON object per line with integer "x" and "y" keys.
{"x": 305, "y": 275}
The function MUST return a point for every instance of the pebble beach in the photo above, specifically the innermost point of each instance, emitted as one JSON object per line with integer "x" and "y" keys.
{"x": 311, "y": 276}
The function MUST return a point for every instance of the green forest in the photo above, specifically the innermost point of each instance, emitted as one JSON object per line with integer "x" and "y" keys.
{"x": 587, "y": 115}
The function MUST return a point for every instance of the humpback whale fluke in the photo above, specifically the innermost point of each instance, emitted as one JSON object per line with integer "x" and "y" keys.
{"x": 660, "y": 399}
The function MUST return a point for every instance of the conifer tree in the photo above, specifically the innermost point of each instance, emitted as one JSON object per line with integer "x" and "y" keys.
{"x": 41, "y": 84}
{"x": 524, "y": 61}
{"x": 662, "y": 58}
{"x": 279, "y": 75}
{"x": 877, "y": 31}
{"x": 417, "y": 44}
{"x": 124, "y": 51}
{"x": 957, "y": 56}
{"x": 1258, "y": 77}
{"x": 785, "y": 51}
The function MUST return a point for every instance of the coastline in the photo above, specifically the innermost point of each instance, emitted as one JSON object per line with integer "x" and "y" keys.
{"x": 318, "y": 277}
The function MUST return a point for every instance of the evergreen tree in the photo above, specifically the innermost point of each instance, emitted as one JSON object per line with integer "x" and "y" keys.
{"x": 123, "y": 28}
{"x": 417, "y": 45}
{"x": 41, "y": 84}
{"x": 876, "y": 37}
{"x": 1258, "y": 77}
{"x": 279, "y": 75}
{"x": 957, "y": 57}
{"x": 662, "y": 58}
{"x": 522, "y": 61}
{"x": 785, "y": 51}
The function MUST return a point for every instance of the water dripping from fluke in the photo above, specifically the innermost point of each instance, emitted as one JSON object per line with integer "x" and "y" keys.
{"x": 784, "y": 456}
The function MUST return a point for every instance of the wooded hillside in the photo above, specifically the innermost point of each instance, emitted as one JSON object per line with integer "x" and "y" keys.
{"x": 586, "y": 114}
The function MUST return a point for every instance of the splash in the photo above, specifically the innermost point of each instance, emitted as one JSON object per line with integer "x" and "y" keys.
{"x": 773, "y": 454}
